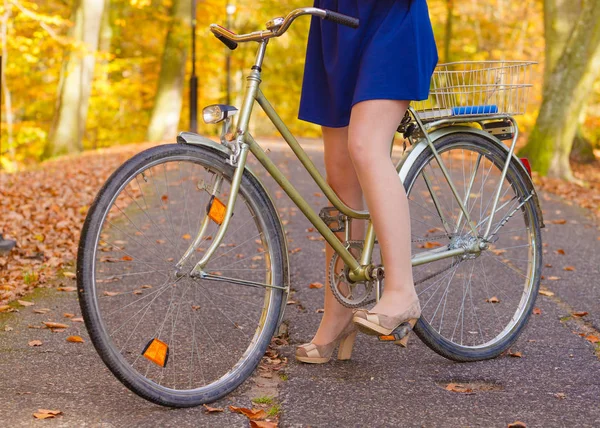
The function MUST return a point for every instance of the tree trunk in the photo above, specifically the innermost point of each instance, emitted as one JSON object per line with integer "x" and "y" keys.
{"x": 448, "y": 35}
{"x": 7, "y": 96}
{"x": 565, "y": 93}
{"x": 76, "y": 78}
{"x": 558, "y": 26}
{"x": 164, "y": 121}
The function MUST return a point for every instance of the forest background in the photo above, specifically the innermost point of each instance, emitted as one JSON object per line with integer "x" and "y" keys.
{"x": 88, "y": 74}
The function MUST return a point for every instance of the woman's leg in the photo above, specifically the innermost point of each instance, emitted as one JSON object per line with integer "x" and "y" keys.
{"x": 372, "y": 127}
{"x": 342, "y": 178}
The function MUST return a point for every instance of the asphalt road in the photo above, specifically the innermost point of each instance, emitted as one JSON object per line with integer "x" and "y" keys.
{"x": 555, "y": 382}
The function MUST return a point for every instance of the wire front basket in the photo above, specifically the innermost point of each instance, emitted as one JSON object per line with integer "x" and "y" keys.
{"x": 476, "y": 88}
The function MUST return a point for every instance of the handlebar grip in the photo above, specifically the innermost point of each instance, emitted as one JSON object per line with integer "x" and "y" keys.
{"x": 340, "y": 18}
{"x": 229, "y": 43}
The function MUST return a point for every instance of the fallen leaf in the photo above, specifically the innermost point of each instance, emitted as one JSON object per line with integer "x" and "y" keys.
{"x": 318, "y": 194}
{"x": 315, "y": 285}
{"x": 127, "y": 258}
{"x": 560, "y": 251}
{"x": 75, "y": 339}
{"x": 291, "y": 302}
{"x": 25, "y": 303}
{"x": 546, "y": 293}
{"x": 187, "y": 236}
{"x": 69, "y": 274}
{"x": 8, "y": 328}
{"x": 252, "y": 414}
{"x": 517, "y": 424}
{"x": 579, "y": 314}
{"x": 4, "y": 308}
{"x": 195, "y": 307}
{"x": 493, "y": 300}
{"x": 320, "y": 311}
{"x": 209, "y": 409}
{"x": 263, "y": 424}
{"x": 54, "y": 325}
{"x": 517, "y": 354}
{"x": 569, "y": 268}
{"x": 146, "y": 286}
{"x": 67, "y": 288}
{"x": 592, "y": 339}
{"x": 111, "y": 293}
{"x": 78, "y": 319}
{"x": 559, "y": 221}
{"x": 548, "y": 265}
{"x": 560, "y": 395}
{"x": 295, "y": 250}
{"x": 432, "y": 244}
{"x": 68, "y": 315}
{"x": 457, "y": 387}
{"x": 137, "y": 292}
{"x": 537, "y": 311}
{"x": 41, "y": 311}
{"x": 553, "y": 278}
{"x": 35, "y": 343}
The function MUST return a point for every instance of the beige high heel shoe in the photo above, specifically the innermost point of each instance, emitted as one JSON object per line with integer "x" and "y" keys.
{"x": 383, "y": 325}
{"x": 319, "y": 354}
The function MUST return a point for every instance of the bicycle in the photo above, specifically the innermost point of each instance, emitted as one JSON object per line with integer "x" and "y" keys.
{"x": 181, "y": 307}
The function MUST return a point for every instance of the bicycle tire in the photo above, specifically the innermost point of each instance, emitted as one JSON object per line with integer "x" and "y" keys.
{"x": 517, "y": 179}
{"x": 261, "y": 205}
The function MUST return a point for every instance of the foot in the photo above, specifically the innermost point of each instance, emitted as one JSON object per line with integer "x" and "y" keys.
{"x": 394, "y": 302}
{"x": 331, "y": 326}
{"x": 393, "y": 310}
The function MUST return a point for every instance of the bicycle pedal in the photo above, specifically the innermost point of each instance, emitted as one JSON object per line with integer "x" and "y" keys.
{"x": 328, "y": 218}
{"x": 399, "y": 335}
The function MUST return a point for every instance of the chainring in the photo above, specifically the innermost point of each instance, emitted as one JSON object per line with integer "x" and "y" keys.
{"x": 335, "y": 279}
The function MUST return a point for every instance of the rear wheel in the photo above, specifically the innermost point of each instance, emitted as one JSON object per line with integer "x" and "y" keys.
{"x": 474, "y": 306}
{"x": 136, "y": 304}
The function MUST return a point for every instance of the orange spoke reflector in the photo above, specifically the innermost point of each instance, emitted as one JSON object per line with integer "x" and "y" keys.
{"x": 216, "y": 210}
{"x": 386, "y": 338}
{"x": 157, "y": 352}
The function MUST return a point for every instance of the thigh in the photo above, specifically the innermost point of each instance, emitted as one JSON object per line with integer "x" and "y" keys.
{"x": 373, "y": 124}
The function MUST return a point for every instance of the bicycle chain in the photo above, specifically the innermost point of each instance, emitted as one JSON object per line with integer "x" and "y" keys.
{"x": 360, "y": 304}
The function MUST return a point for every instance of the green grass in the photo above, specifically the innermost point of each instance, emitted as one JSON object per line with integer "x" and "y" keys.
{"x": 567, "y": 318}
{"x": 283, "y": 376}
{"x": 274, "y": 411}
{"x": 263, "y": 400}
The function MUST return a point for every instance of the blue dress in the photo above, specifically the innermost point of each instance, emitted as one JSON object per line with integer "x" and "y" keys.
{"x": 391, "y": 55}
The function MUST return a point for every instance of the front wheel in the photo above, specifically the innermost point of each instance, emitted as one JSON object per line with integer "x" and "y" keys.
{"x": 174, "y": 339}
{"x": 474, "y": 306}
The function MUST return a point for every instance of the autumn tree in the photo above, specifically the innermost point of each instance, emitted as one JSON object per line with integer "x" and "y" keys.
{"x": 167, "y": 103}
{"x": 67, "y": 131}
{"x": 567, "y": 84}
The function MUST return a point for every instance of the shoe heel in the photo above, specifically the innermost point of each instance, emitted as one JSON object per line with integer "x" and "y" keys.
{"x": 346, "y": 345}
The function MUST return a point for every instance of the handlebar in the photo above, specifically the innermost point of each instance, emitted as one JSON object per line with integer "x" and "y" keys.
{"x": 280, "y": 26}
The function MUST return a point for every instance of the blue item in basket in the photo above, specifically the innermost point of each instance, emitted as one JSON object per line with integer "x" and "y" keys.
{"x": 487, "y": 109}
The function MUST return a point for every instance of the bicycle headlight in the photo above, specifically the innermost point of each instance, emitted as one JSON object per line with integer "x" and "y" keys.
{"x": 217, "y": 112}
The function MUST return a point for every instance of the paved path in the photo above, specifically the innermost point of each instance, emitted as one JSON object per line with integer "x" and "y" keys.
{"x": 555, "y": 383}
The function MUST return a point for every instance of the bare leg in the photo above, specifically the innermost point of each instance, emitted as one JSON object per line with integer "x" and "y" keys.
{"x": 372, "y": 127}
{"x": 342, "y": 178}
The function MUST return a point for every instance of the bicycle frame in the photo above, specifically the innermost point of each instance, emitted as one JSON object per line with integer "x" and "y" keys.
{"x": 359, "y": 270}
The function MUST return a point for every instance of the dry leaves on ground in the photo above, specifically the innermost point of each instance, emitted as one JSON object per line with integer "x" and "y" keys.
{"x": 43, "y": 209}
{"x": 252, "y": 414}
{"x": 586, "y": 197}
{"x": 517, "y": 424}
{"x": 35, "y": 343}
{"x": 209, "y": 409}
{"x": 315, "y": 285}
{"x": 75, "y": 339}
{"x": 46, "y": 414}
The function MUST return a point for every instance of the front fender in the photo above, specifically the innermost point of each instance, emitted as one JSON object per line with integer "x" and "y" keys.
{"x": 412, "y": 155}
{"x": 199, "y": 140}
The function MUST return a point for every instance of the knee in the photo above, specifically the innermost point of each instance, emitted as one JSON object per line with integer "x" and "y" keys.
{"x": 359, "y": 150}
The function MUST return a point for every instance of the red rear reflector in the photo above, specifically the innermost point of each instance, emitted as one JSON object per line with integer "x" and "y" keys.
{"x": 527, "y": 165}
